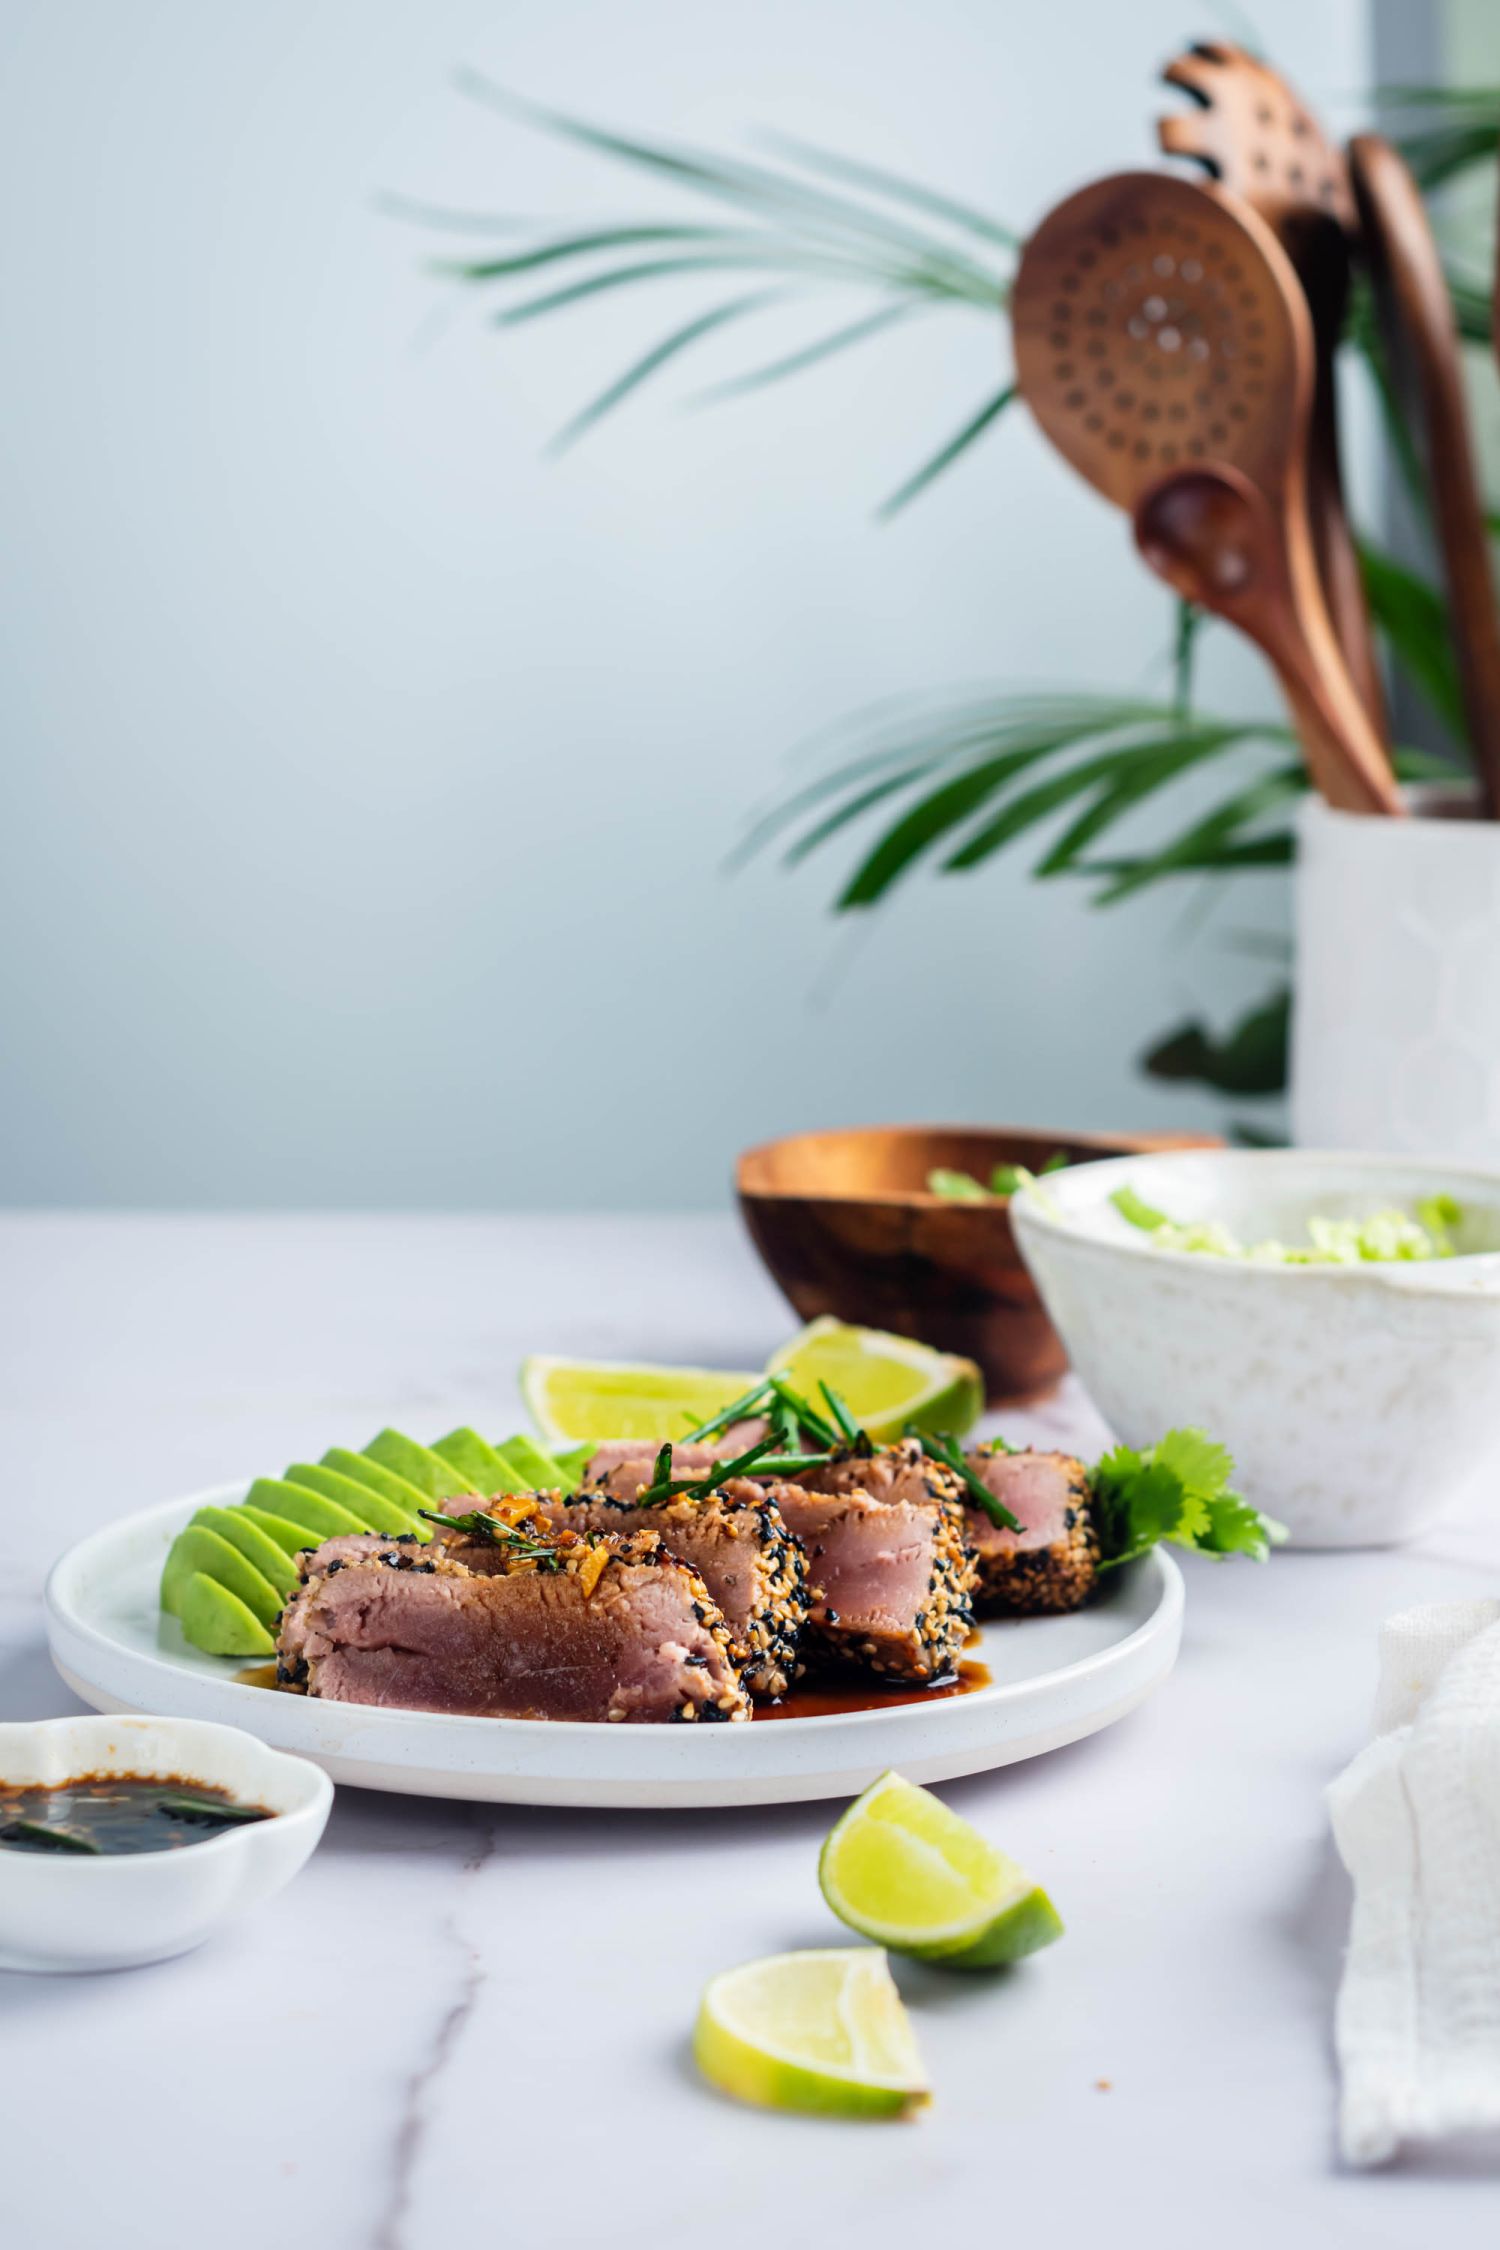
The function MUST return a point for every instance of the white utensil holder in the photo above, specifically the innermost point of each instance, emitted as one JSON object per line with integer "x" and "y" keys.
{"x": 1396, "y": 1027}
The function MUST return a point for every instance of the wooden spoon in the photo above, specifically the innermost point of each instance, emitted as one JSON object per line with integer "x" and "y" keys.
{"x": 1262, "y": 144}
{"x": 1161, "y": 335}
{"x": 1421, "y": 342}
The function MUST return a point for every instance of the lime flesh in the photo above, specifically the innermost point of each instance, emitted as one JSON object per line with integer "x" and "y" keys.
{"x": 886, "y": 1381}
{"x": 819, "y": 2031}
{"x": 902, "y": 1869}
{"x": 575, "y": 1400}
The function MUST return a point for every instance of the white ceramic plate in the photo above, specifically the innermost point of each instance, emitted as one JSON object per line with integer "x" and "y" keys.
{"x": 1055, "y": 1679}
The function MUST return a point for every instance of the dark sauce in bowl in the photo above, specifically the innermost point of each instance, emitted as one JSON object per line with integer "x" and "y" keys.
{"x": 101, "y": 1815}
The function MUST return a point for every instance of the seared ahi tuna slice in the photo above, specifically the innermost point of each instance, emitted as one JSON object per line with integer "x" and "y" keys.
{"x": 357, "y": 1546}
{"x": 557, "y": 1627}
{"x": 893, "y": 1577}
{"x": 1051, "y": 1563}
{"x": 892, "y": 1472}
{"x": 738, "y": 1543}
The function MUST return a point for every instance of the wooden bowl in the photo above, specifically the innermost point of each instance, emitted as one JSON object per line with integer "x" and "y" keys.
{"x": 846, "y": 1225}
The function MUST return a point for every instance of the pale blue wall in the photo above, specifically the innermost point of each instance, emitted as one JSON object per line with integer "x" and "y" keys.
{"x": 366, "y": 774}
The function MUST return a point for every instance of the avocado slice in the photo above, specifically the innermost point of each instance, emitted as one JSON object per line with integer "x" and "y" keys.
{"x": 572, "y": 1461}
{"x": 297, "y": 1505}
{"x": 418, "y": 1464}
{"x": 541, "y": 1472}
{"x": 383, "y": 1514}
{"x": 196, "y": 1551}
{"x": 375, "y": 1479}
{"x": 216, "y": 1620}
{"x": 291, "y": 1538}
{"x": 482, "y": 1463}
{"x": 256, "y": 1545}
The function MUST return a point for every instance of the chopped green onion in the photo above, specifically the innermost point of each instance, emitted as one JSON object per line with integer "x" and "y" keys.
{"x": 42, "y": 1832}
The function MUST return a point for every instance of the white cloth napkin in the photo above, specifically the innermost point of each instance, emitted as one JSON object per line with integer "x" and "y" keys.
{"x": 1417, "y": 1821}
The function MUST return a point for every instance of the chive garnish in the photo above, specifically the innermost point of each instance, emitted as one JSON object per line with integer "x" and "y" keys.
{"x": 735, "y": 1412}
{"x": 801, "y": 1414}
{"x": 516, "y": 1542}
{"x": 945, "y": 1449}
{"x": 854, "y": 1436}
{"x": 670, "y": 1488}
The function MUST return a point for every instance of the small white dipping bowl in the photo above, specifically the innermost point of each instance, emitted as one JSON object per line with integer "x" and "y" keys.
{"x": 118, "y": 1911}
{"x": 1358, "y": 1401}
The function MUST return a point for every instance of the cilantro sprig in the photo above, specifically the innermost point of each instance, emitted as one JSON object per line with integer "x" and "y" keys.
{"x": 1177, "y": 1489}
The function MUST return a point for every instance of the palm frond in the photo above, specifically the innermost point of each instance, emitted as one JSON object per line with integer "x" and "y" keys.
{"x": 816, "y": 218}
{"x": 969, "y": 783}
{"x": 757, "y": 187}
{"x": 680, "y": 340}
{"x": 810, "y": 355}
{"x": 1413, "y": 618}
{"x": 879, "y": 181}
{"x": 946, "y": 455}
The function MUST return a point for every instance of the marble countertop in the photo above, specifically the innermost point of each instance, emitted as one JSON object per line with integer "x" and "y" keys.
{"x": 467, "y": 2025}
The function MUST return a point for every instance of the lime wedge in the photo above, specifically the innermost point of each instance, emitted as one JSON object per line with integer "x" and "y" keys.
{"x": 575, "y": 1400}
{"x": 887, "y": 1381}
{"x": 904, "y": 1870}
{"x": 821, "y": 2031}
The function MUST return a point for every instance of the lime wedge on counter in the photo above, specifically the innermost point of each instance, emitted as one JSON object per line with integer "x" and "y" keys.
{"x": 886, "y": 1381}
{"x": 904, "y": 1870}
{"x": 573, "y": 1400}
{"x": 821, "y": 2031}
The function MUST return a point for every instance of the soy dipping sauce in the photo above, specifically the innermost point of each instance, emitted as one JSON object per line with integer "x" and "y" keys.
{"x": 101, "y": 1815}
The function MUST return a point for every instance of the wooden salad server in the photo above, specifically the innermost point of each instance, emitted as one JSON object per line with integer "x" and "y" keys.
{"x": 1262, "y": 144}
{"x": 1163, "y": 343}
{"x": 1421, "y": 343}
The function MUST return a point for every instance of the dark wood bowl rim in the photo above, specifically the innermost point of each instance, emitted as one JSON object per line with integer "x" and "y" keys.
{"x": 1101, "y": 1146}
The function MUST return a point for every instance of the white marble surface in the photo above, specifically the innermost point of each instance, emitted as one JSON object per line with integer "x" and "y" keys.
{"x": 466, "y": 2026}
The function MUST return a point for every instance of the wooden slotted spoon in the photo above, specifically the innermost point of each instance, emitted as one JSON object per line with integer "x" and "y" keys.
{"x": 1262, "y": 144}
{"x": 1421, "y": 344}
{"x": 1163, "y": 343}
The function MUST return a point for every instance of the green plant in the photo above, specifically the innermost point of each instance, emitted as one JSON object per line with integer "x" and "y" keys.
{"x": 949, "y": 784}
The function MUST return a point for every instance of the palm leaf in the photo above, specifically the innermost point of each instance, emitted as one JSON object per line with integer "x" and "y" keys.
{"x": 810, "y": 355}
{"x": 875, "y": 177}
{"x": 565, "y": 246}
{"x": 736, "y": 181}
{"x": 1413, "y": 617}
{"x": 946, "y": 455}
{"x": 1132, "y": 771}
{"x": 680, "y": 339}
{"x": 922, "y": 828}
{"x": 1211, "y": 840}
{"x": 1146, "y": 768}
{"x": 939, "y": 736}
{"x": 766, "y": 256}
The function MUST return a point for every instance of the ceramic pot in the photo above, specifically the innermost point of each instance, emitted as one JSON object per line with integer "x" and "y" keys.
{"x": 1396, "y": 1029}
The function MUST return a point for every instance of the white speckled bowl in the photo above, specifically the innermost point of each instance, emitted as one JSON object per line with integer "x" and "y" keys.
{"x": 1359, "y": 1401}
{"x": 118, "y": 1912}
